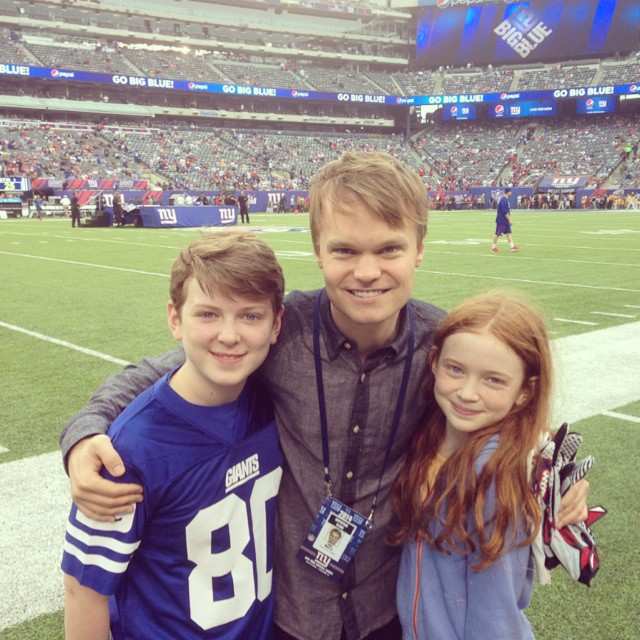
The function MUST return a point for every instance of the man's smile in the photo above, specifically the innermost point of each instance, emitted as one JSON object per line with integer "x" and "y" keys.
{"x": 367, "y": 293}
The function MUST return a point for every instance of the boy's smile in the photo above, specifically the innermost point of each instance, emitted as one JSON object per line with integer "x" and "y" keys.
{"x": 368, "y": 269}
{"x": 225, "y": 340}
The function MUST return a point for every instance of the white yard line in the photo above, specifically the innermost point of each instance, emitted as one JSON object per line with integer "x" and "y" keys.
{"x": 85, "y": 264}
{"x": 585, "y": 322}
{"x": 34, "y": 506}
{"x": 621, "y": 416}
{"x": 35, "y": 490}
{"x": 486, "y": 254}
{"x": 65, "y": 343}
{"x": 596, "y": 371}
{"x": 4, "y": 450}
{"x": 632, "y": 306}
{"x": 547, "y": 283}
{"x": 611, "y": 314}
{"x": 75, "y": 238}
{"x": 618, "y": 249}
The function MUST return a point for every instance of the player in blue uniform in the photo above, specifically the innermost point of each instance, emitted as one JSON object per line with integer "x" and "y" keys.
{"x": 193, "y": 560}
{"x": 503, "y": 222}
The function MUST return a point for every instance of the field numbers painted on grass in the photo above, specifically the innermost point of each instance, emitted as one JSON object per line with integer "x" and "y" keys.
{"x": 611, "y": 232}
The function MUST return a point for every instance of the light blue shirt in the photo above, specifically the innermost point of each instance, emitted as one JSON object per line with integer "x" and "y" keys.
{"x": 440, "y": 597}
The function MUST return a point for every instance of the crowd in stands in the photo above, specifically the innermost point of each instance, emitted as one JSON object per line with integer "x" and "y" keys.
{"x": 631, "y": 169}
{"x": 478, "y": 81}
{"x": 448, "y": 157}
{"x": 520, "y": 153}
{"x": 177, "y": 155}
{"x": 62, "y": 150}
{"x": 628, "y": 71}
{"x": 468, "y": 153}
{"x": 572, "y": 147}
{"x": 554, "y": 76}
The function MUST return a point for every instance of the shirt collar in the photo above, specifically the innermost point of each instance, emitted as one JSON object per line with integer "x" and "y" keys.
{"x": 225, "y": 422}
{"x": 336, "y": 342}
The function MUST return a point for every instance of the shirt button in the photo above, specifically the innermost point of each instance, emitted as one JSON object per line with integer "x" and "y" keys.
{"x": 363, "y": 377}
{"x": 347, "y": 346}
{"x": 345, "y": 595}
{"x": 356, "y": 429}
{"x": 349, "y": 475}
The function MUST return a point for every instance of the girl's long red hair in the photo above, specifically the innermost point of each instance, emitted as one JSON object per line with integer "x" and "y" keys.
{"x": 457, "y": 501}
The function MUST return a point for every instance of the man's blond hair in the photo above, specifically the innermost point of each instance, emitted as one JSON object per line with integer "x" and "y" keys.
{"x": 381, "y": 183}
{"x": 231, "y": 263}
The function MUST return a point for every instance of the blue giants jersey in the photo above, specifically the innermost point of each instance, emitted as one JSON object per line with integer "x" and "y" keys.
{"x": 195, "y": 558}
{"x": 503, "y": 209}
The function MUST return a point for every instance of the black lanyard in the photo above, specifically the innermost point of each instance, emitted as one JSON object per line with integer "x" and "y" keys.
{"x": 322, "y": 404}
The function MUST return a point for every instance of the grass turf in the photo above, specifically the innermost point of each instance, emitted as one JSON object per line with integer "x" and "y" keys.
{"x": 105, "y": 289}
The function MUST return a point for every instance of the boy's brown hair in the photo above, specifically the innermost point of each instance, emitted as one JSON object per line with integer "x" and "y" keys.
{"x": 234, "y": 263}
{"x": 377, "y": 180}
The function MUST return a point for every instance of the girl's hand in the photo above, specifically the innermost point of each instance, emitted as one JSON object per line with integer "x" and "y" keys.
{"x": 573, "y": 505}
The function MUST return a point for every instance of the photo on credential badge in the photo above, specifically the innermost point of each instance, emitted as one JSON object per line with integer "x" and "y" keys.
{"x": 333, "y": 538}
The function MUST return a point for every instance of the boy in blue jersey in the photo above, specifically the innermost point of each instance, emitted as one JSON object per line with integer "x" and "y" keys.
{"x": 503, "y": 222}
{"x": 194, "y": 558}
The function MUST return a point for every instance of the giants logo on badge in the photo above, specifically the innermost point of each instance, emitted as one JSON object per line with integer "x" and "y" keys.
{"x": 323, "y": 559}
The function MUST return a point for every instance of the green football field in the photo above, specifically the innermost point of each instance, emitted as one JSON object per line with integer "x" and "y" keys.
{"x": 77, "y": 304}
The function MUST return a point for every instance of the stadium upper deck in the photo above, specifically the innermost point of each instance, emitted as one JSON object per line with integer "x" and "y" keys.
{"x": 364, "y": 52}
{"x": 61, "y": 50}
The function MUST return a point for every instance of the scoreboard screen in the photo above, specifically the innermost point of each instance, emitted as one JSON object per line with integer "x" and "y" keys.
{"x": 459, "y": 112}
{"x": 599, "y": 104}
{"x": 14, "y": 183}
{"x": 531, "y": 31}
{"x": 523, "y": 108}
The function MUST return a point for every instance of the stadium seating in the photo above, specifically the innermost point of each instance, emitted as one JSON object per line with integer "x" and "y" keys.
{"x": 628, "y": 71}
{"x": 567, "y": 147}
{"x": 452, "y": 156}
{"x": 554, "y": 76}
{"x": 478, "y": 81}
{"x": 468, "y": 153}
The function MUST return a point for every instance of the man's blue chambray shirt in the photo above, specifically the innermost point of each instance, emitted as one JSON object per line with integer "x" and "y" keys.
{"x": 361, "y": 399}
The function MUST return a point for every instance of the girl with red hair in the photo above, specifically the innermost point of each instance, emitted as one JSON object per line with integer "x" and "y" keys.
{"x": 467, "y": 513}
